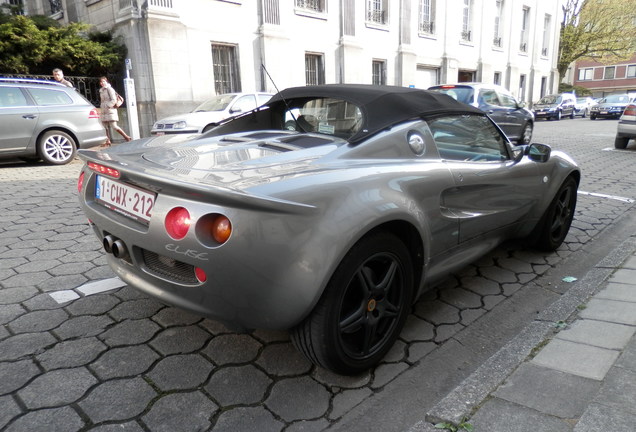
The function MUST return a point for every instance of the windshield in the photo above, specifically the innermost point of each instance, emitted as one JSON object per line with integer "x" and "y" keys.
{"x": 461, "y": 94}
{"x": 616, "y": 99}
{"x": 217, "y": 103}
{"x": 550, "y": 99}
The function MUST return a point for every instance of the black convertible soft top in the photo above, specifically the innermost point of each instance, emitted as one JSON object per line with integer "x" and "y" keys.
{"x": 381, "y": 106}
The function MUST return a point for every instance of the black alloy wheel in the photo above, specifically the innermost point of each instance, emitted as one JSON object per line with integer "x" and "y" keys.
{"x": 363, "y": 308}
{"x": 557, "y": 219}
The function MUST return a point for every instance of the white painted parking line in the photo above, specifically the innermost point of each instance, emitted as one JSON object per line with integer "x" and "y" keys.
{"x": 613, "y": 197}
{"x": 90, "y": 288}
{"x": 64, "y": 296}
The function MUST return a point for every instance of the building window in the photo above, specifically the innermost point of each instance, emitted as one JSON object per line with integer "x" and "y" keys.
{"x": 497, "y": 39}
{"x": 226, "y": 70}
{"x": 314, "y": 69}
{"x": 546, "y": 35}
{"x": 426, "y": 22}
{"x": 609, "y": 72}
{"x": 586, "y": 74}
{"x": 544, "y": 86}
{"x": 467, "y": 21}
{"x": 312, "y": 5}
{"x": 525, "y": 28}
{"x": 56, "y": 6}
{"x": 378, "y": 72}
{"x": 377, "y": 11}
{"x": 522, "y": 88}
{"x": 631, "y": 71}
{"x": 497, "y": 78}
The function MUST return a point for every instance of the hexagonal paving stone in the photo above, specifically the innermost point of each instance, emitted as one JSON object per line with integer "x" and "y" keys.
{"x": 47, "y": 420}
{"x": 243, "y": 419}
{"x": 238, "y": 385}
{"x": 180, "y": 372}
{"x": 233, "y": 348}
{"x": 180, "y": 340}
{"x": 298, "y": 398}
{"x": 57, "y": 388}
{"x": 124, "y": 362}
{"x": 14, "y": 375}
{"x": 181, "y": 412}
{"x": 130, "y": 332}
{"x": 71, "y": 353}
{"x": 117, "y": 400}
{"x": 283, "y": 360}
{"x": 22, "y": 345}
{"x": 38, "y": 321}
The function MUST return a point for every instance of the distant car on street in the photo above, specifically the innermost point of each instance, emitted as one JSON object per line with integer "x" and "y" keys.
{"x": 555, "y": 106}
{"x": 583, "y": 106}
{"x": 611, "y": 106}
{"x": 511, "y": 116}
{"x": 626, "y": 129}
{"x": 46, "y": 120}
{"x": 210, "y": 113}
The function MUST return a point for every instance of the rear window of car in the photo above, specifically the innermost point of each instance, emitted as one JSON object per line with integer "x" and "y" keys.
{"x": 461, "y": 94}
{"x": 47, "y": 97}
{"x": 11, "y": 97}
{"x": 324, "y": 115}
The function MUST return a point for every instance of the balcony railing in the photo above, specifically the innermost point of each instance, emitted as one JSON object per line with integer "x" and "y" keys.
{"x": 544, "y": 52}
{"x": 497, "y": 42}
{"x": 312, "y": 5}
{"x": 427, "y": 27}
{"x": 376, "y": 16}
{"x": 523, "y": 47}
{"x": 466, "y": 36}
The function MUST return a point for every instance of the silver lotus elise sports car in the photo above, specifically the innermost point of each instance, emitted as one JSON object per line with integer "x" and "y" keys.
{"x": 326, "y": 211}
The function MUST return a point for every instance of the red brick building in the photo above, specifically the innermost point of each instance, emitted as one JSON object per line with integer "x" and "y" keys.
{"x": 605, "y": 79}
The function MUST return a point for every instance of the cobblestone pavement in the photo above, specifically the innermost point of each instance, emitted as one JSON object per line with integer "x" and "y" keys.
{"x": 73, "y": 358}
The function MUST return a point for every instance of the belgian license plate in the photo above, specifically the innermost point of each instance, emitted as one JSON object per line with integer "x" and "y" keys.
{"x": 128, "y": 200}
{"x": 603, "y": 112}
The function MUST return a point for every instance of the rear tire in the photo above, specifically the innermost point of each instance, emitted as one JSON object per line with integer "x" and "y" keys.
{"x": 555, "y": 223}
{"x": 621, "y": 143}
{"x": 526, "y": 135}
{"x": 362, "y": 309}
{"x": 56, "y": 147}
{"x": 572, "y": 114}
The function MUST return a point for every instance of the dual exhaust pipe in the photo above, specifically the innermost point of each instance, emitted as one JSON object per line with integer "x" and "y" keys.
{"x": 115, "y": 246}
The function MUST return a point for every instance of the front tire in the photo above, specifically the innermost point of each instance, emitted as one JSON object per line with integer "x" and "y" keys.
{"x": 592, "y": 117}
{"x": 621, "y": 142}
{"x": 363, "y": 308}
{"x": 558, "y": 116}
{"x": 56, "y": 147}
{"x": 555, "y": 223}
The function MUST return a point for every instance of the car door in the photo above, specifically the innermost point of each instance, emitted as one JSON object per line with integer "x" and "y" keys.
{"x": 18, "y": 119}
{"x": 516, "y": 116}
{"x": 488, "y": 101}
{"x": 492, "y": 191}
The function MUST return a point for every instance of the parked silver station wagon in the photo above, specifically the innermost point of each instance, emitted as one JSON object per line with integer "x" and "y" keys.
{"x": 46, "y": 120}
{"x": 331, "y": 230}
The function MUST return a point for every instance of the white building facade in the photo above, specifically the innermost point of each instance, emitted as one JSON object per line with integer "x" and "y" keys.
{"x": 185, "y": 51}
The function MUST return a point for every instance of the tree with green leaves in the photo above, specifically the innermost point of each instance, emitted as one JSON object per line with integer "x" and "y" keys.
{"x": 601, "y": 30}
{"x": 37, "y": 45}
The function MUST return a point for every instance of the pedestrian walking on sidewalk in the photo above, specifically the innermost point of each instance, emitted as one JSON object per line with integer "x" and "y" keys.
{"x": 109, "y": 116}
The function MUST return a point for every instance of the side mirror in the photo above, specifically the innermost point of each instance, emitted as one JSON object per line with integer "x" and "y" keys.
{"x": 521, "y": 104}
{"x": 538, "y": 152}
{"x": 235, "y": 110}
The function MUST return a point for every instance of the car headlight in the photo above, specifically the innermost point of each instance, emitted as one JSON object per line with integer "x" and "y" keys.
{"x": 180, "y": 125}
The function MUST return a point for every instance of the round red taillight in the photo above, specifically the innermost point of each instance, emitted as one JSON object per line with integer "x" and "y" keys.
{"x": 177, "y": 223}
{"x": 221, "y": 229}
{"x": 200, "y": 274}
{"x": 80, "y": 182}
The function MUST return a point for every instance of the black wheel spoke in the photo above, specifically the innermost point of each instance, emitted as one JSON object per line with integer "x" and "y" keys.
{"x": 354, "y": 321}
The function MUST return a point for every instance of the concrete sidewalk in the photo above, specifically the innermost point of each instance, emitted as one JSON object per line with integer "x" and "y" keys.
{"x": 572, "y": 369}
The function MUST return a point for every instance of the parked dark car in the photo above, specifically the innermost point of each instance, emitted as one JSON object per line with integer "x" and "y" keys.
{"x": 555, "y": 106}
{"x": 611, "y": 106}
{"x": 626, "y": 129}
{"x": 511, "y": 116}
{"x": 46, "y": 120}
{"x": 331, "y": 230}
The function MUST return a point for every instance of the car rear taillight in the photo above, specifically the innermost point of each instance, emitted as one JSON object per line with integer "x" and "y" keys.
{"x": 103, "y": 169}
{"x": 630, "y": 110}
{"x": 93, "y": 114}
{"x": 213, "y": 229}
{"x": 80, "y": 182}
{"x": 177, "y": 223}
